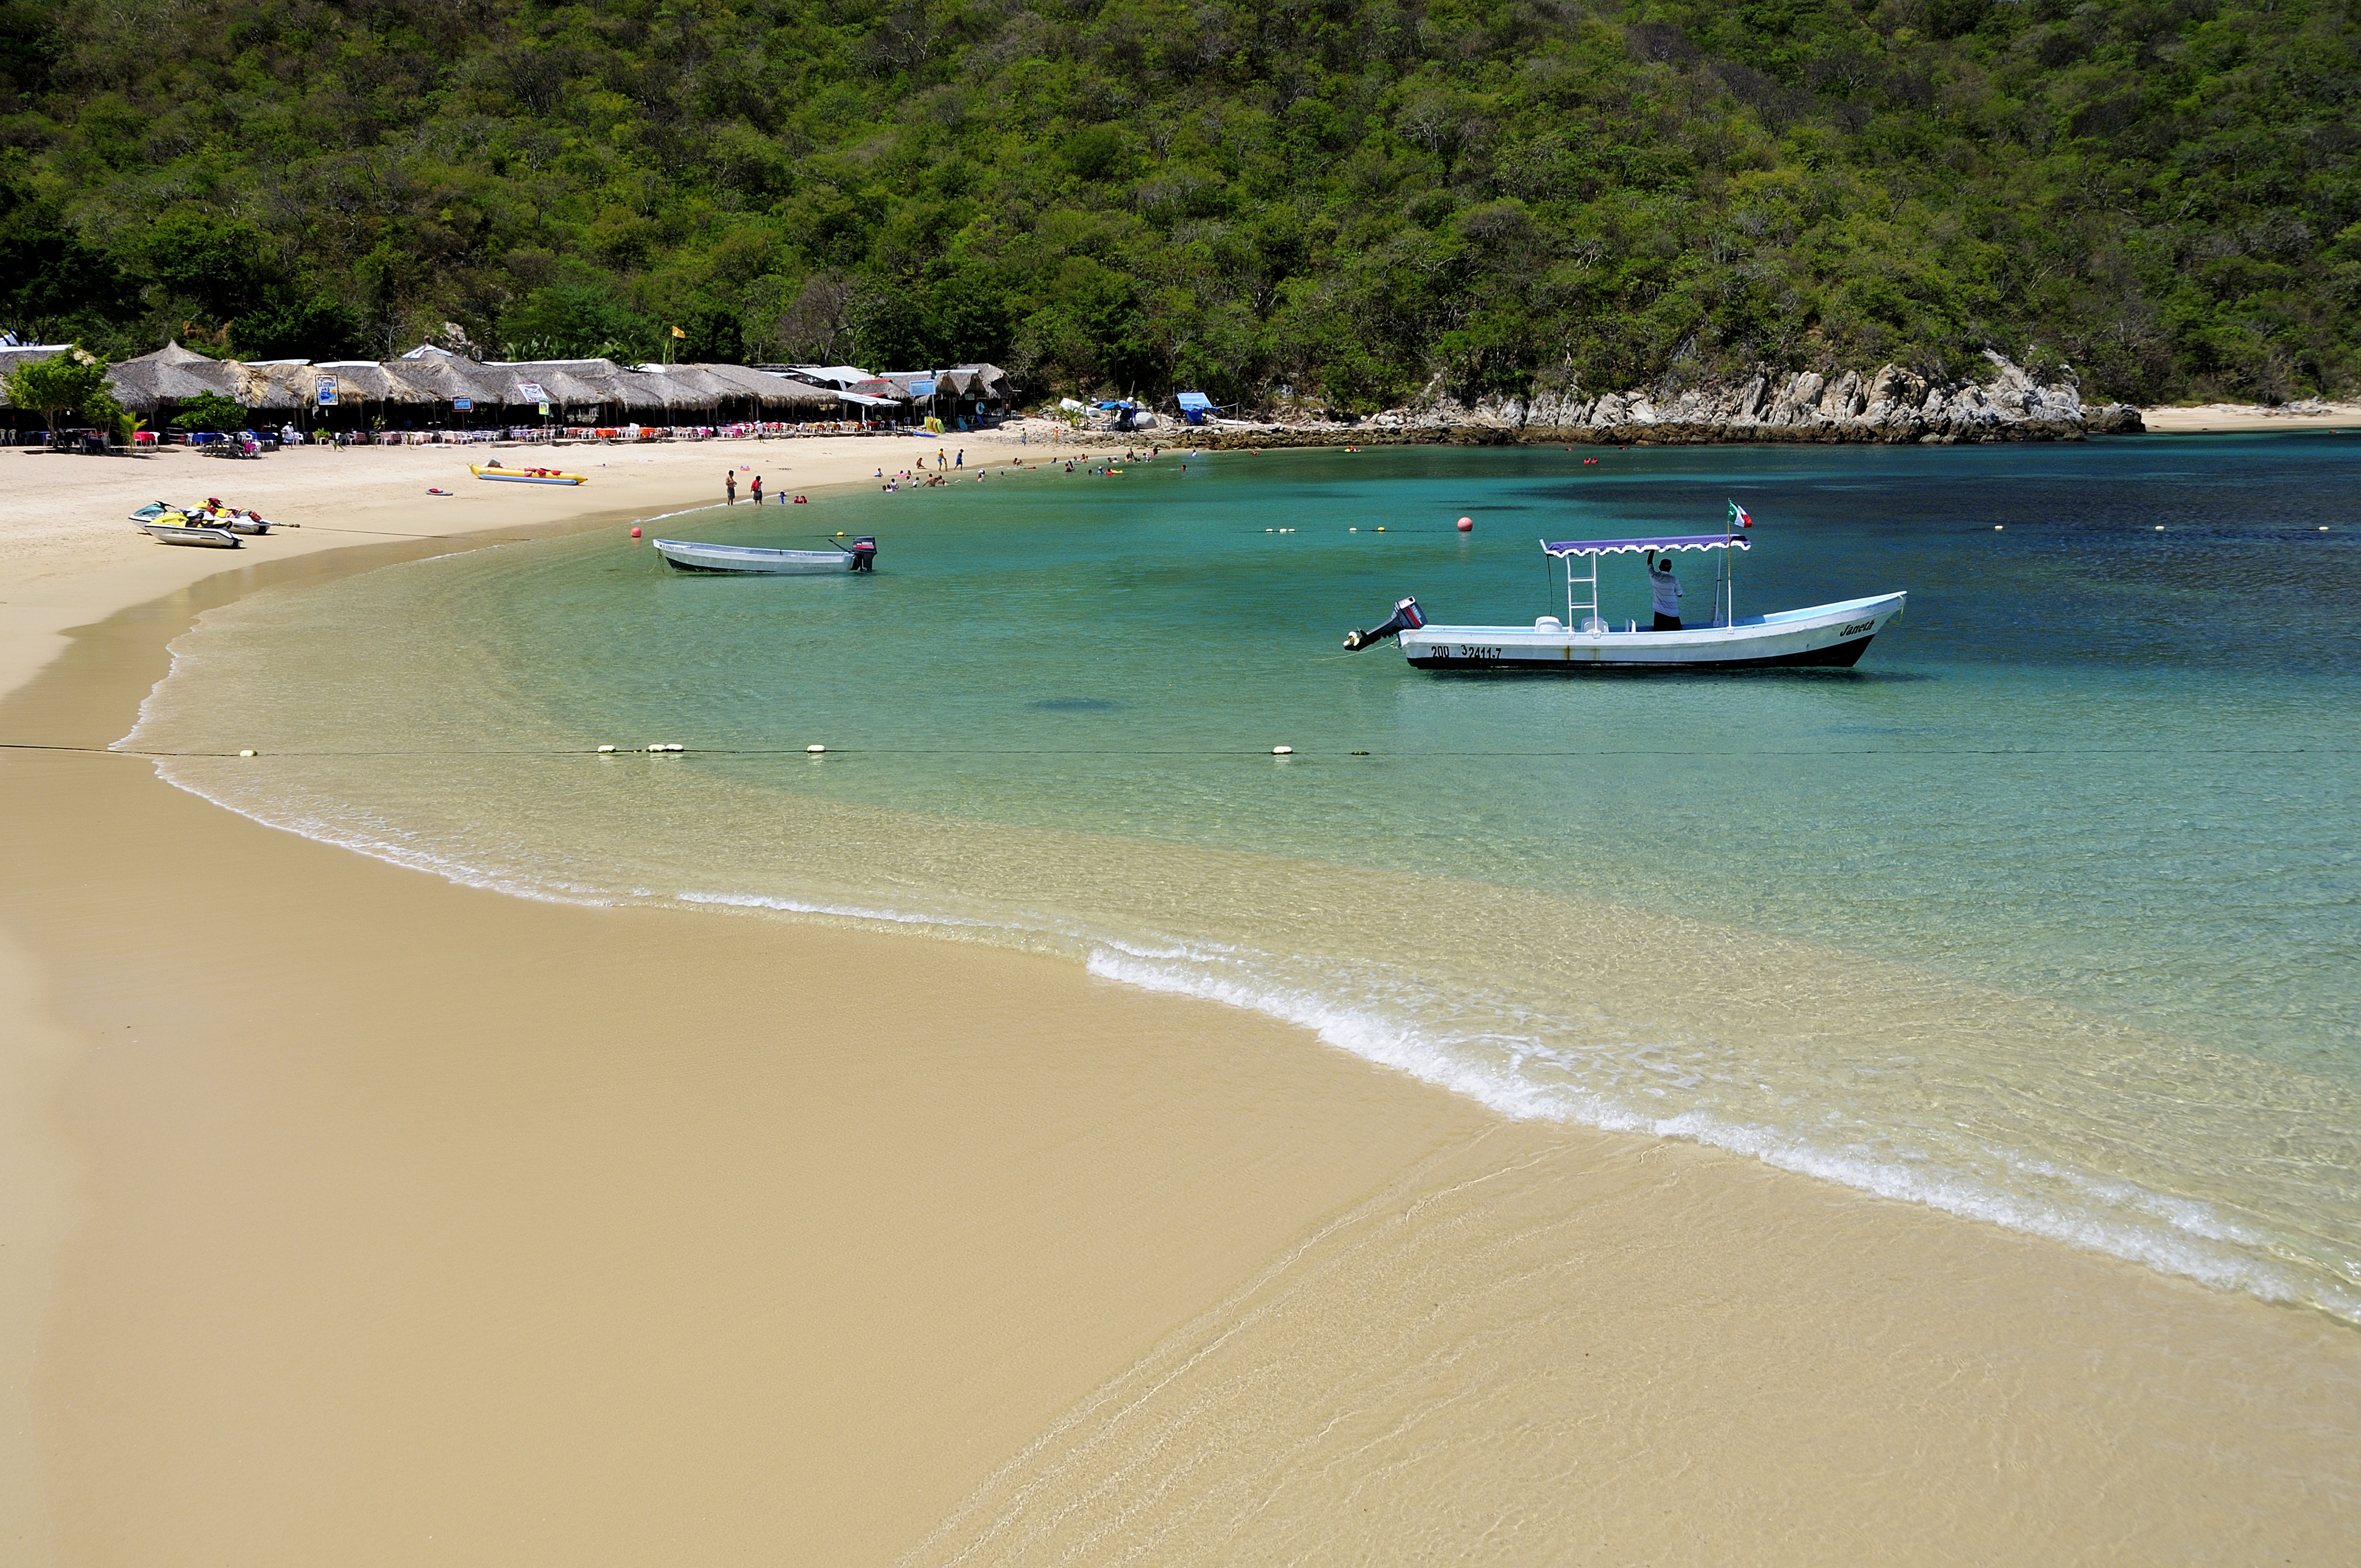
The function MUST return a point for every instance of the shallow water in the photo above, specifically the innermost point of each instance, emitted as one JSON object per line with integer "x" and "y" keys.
{"x": 2045, "y": 913}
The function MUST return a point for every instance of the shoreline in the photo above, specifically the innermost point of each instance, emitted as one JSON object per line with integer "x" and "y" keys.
{"x": 2223, "y": 419}
{"x": 1229, "y": 1189}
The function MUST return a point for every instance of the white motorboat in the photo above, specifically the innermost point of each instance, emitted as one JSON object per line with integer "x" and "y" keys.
{"x": 686, "y": 555}
{"x": 1822, "y": 636}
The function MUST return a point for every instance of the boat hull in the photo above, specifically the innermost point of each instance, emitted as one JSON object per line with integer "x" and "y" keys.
{"x": 686, "y": 555}
{"x": 1829, "y": 636}
{"x": 179, "y": 533}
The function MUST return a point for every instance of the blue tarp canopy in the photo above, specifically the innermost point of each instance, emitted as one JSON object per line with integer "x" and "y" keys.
{"x": 1633, "y": 546}
{"x": 1196, "y": 403}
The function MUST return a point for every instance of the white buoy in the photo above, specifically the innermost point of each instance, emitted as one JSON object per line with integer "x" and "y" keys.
{"x": 606, "y": 747}
{"x": 675, "y": 747}
{"x": 246, "y": 753}
{"x": 1997, "y": 528}
{"x": 657, "y": 746}
{"x": 1282, "y": 750}
{"x": 2160, "y": 528}
{"x": 815, "y": 750}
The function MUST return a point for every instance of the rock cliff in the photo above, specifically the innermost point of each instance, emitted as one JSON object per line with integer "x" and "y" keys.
{"x": 1891, "y": 405}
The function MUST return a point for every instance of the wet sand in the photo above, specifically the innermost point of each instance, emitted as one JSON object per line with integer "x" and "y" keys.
{"x": 353, "y": 1216}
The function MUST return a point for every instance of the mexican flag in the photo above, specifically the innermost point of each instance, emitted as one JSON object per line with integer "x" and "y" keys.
{"x": 1738, "y": 518}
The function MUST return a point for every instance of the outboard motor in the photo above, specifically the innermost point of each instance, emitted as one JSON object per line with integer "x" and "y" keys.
{"x": 1406, "y": 618}
{"x": 865, "y": 554}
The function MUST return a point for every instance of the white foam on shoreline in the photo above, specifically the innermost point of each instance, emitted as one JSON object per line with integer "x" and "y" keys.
{"x": 2170, "y": 1234}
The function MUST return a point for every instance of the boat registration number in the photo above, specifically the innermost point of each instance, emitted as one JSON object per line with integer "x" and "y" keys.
{"x": 1856, "y": 626}
{"x": 1467, "y": 650}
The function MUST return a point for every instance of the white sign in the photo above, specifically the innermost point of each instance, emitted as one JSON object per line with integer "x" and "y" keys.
{"x": 531, "y": 392}
{"x": 327, "y": 394}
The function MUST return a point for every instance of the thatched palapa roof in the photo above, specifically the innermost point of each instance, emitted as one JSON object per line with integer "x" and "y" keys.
{"x": 171, "y": 374}
{"x": 431, "y": 377}
{"x": 570, "y": 383}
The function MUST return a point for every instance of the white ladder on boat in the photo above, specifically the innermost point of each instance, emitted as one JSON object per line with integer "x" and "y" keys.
{"x": 1583, "y": 623}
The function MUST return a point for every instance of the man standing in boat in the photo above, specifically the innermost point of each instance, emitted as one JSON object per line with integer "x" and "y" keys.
{"x": 1667, "y": 590}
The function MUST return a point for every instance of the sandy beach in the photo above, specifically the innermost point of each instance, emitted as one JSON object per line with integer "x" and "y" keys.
{"x": 356, "y": 1216}
{"x": 2223, "y": 419}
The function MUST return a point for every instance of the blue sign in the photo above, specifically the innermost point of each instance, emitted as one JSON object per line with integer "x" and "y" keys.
{"x": 922, "y": 386}
{"x": 327, "y": 394}
{"x": 463, "y": 404}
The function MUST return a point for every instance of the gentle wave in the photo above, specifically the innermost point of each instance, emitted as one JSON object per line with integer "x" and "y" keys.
{"x": 1378, "y": 1021}
{"x": 2178, "y": 1249}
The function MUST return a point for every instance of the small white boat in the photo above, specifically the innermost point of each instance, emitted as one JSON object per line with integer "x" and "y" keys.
{"x": 174, "y": 529}
{"x": 686, "y": 555}
{"x": 1829, "y": 636}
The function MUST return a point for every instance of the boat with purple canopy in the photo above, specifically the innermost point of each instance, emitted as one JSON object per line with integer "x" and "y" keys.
{"x": 1823, "y": 636}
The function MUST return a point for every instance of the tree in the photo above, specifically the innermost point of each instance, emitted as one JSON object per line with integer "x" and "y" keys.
{"x": 292, "y": 328}
{"x": 209, "y": 411}
{"x": 63, "y": 385}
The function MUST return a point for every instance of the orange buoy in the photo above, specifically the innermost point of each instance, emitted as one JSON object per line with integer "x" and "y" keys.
{"x": 1467, "y": 525}
{"x": 635, "y": 534}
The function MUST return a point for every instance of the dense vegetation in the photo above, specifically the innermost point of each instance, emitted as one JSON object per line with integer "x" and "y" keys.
{"x": 1333, "y": 198}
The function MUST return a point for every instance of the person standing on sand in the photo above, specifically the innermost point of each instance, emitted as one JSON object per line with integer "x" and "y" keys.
{"x": 729, "y": 484}
{"x": 758, "y": 489}
{"x": 1667, "y": 590}
{"x": 959, "y": 461}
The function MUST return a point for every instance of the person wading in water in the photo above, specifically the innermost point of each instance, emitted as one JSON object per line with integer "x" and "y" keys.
{"x": 1667, "y": 589}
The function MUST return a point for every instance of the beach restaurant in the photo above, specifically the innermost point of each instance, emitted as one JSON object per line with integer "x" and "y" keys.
{"x": 955, "y": 398}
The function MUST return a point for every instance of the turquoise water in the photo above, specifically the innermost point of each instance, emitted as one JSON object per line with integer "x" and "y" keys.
{"x": 2046, "y": 913}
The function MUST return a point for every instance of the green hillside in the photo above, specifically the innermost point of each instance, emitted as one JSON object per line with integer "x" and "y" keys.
{"x": 1338, "y": 199}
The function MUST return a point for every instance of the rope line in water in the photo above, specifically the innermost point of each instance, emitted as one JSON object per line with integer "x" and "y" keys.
{"x": 1255, "y": 751}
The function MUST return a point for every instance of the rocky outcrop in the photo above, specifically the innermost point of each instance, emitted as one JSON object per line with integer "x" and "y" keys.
{"x": 1892, "y": 405}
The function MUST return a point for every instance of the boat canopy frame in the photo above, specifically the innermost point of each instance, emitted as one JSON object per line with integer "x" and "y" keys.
{"x": 1590, "y": 550}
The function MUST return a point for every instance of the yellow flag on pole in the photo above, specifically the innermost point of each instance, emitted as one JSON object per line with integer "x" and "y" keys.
{"x": 677, "y": 333}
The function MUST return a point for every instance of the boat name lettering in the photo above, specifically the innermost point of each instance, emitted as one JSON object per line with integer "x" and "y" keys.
{"x": 1857, "y": 626}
